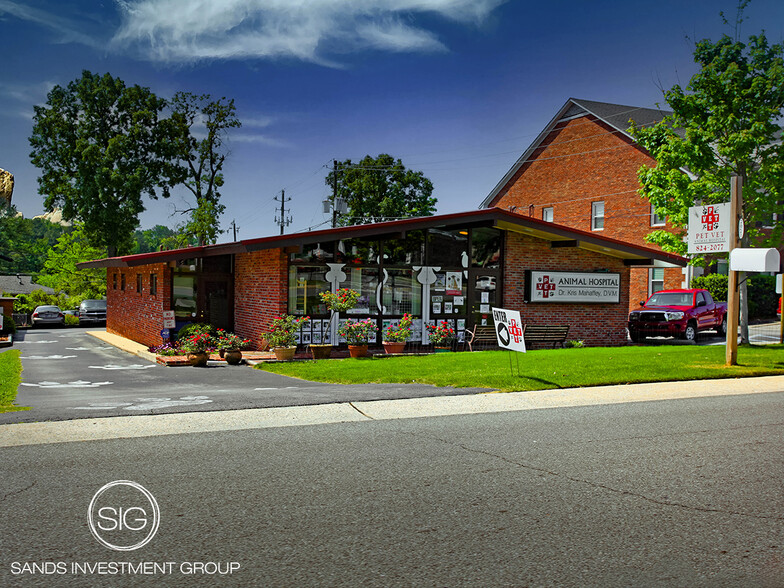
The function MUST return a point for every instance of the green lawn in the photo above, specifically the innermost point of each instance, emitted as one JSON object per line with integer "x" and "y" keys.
{"x": 10, "y": 377}
{"x": 544, "y": 369}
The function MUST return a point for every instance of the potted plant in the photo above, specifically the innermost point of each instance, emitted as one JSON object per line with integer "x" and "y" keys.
{"x": 198, "y": 348}
{"x": 396, "y": 335}
{"x": 357, "y": 334}
{"x": 441, "y": 336}
{"x": 282, "y": 337}
{"x": 230, "y": 346}
{"x": 340, "y": 301}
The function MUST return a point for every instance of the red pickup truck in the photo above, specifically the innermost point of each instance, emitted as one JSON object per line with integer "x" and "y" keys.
{"x": 678, "y": 313}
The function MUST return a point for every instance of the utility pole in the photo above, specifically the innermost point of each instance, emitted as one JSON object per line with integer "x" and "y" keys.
{"x": 334, "y": 193}
{"x": 234, "y": 228}
{"x": 283, "y": 221}
{"x": 733, "y": 298}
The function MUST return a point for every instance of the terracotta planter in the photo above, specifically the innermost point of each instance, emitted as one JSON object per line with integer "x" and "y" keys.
{"x": 321, "y": 351}
{"x": 284, "y": 353}
{"x": 443, "y": 349}
{"x": 198, "y": 359}
{"x": 394, "y": 346}
{"x": 232, "y": 356}
{"x": 357, "y": 350}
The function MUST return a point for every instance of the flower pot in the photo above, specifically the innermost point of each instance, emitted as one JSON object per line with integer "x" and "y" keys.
{"x": 284, "y": 353}
{"x": 443, "y": 349}
{"x": 357, "y": 350}
{"x": 232, "y": 356}
{"x": 394, "y": 346}
{"x": 321, "y": 351}
{"x": 198, "y": 359}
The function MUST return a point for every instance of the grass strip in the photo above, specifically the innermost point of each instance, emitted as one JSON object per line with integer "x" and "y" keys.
{"x": 543, "y": 369}
{"x": 10, "y": 378}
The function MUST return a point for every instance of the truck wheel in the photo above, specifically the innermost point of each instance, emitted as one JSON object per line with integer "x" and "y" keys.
{"x": 690, "y": 332}
{"x": 723, "y": 327}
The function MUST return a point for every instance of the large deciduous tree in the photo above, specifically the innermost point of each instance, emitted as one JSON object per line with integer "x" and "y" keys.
{"x": 101, "y": 146}
{"x": 725, "y": 122}
{"x": 204, "y": 125}
{"x": 60, "y": 271}
{"x": 380, "y": 188}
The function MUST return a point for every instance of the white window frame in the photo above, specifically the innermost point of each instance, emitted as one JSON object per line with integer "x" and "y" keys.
{"x": 597, "y": 215}
{"x": 547, "y": 214}
{"x": 656, "y": 220}
{"x": 655, "y": 283}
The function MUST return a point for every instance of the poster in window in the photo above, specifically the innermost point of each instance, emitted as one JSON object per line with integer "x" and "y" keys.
{"x": 485, "y": 298}
{"x": 448, "y": 307}
{"x": 298, "y": 337}
{"x": 436, "y": 308}
{"x": 440, "y": 283}
{"x": 316, "y": 339}
{"x": 437, "y": 298}
{"x": 484, "y": 308}
{"x": 306, "y": 338}
{"x": 459, "y": 301}
{"x": 326, "y": 337}
{"x": 454, "y": 283}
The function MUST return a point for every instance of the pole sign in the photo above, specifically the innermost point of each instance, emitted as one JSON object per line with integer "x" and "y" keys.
{"x": 709, "y": 228}
{"x": 509, "y": 329}
{"x": 168, "y": 319}
{"x": 572, "y": 287}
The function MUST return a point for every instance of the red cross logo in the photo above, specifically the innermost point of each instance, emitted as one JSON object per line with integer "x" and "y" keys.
{"x": 710, "y": 219}
{"x": 515, "y": 331}
{"x": 545, "y": 286}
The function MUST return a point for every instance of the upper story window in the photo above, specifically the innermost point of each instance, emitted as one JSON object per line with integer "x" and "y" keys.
{"x": 656, "y": 220}
{"x": 597, "y": 216}
{"x": 138, "y": 283}
{"x": 547, "y": 214}
{"x": 122, "y": 282}
{"x": 153, "y": 284}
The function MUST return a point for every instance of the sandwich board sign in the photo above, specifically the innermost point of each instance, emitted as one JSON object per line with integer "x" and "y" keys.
{"x": 509, "y": 329}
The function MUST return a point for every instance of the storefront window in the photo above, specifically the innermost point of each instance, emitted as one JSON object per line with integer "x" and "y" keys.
{"x": 357, "y": 252}
{"x": 365, "y": 281}
{"x": 184, "y": 295}
{"x": 447, "y": 248}
{"x": 315, "y": 253}
{"x": 401, "y": 293}
{"x": 448, "y": 295}
{"x": 485, "y": 247}
{"x": 305, "y": 284}
{"x": 408, "y": 251}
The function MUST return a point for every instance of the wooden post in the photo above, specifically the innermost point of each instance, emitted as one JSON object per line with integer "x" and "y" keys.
{"x": 733, "y": 298}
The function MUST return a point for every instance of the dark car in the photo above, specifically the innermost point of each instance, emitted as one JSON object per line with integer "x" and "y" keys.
{"x": 48, "y": 315}
{"x": 92, "y": 312}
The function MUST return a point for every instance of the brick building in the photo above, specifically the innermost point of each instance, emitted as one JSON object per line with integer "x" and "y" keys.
{"x": 581, "y": 171}
{"x": 451, "y": 267}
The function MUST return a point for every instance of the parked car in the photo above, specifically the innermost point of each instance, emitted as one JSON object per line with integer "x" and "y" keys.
{"x": 48, "y": 315}
{"x": 678, "y": 313}
{"x": 92, "y": 311}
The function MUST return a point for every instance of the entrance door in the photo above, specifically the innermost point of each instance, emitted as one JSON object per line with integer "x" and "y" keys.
{"x": 215, "y": 302}
{"x": 485, "y": 294}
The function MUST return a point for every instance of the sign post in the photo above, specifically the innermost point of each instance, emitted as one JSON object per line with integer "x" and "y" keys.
{"x": 780, "y": 291}
{"x": 509, "y": 333}
{"x": 733, "y": 298}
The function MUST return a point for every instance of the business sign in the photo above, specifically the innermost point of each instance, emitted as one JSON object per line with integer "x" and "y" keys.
{"x": 509, "y": 329}
{"x": 168, "y": 319}
{"x": 709, "y": 228}
{"x": 572, "y": 287}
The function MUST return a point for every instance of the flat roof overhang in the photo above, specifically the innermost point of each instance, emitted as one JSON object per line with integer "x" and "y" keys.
{"x": 557, "y": 235}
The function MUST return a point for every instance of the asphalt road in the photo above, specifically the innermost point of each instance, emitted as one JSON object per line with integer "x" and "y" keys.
{"x": 69, "y": 374}
{"x": 669, "y": 493}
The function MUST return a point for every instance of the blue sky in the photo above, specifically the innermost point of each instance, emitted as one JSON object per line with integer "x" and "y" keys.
{"x": 455, "y": 88}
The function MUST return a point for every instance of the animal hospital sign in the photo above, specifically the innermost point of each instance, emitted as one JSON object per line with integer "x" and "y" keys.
{"x": 572, "y": 287}
{"x": 709, "y": 228}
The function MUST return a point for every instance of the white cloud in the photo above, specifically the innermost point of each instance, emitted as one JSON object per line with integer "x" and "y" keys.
{"x": 308, "y": 30}
{"x": 66, "y": 28}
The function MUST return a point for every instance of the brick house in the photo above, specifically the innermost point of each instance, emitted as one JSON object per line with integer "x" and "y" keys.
{"x": 581, "y": 171}
{"x": 451, "y": 267}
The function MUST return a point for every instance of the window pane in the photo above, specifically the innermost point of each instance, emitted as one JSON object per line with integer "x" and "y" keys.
{"x": 407, "y": 251}
{"x": 486, "y": 247}
{"x": 447, "y": 248}
{"x": 357, "y": 251}
{"x": 315, "y": 253}
{"x": 364, "y": 280}
{"x": 184, "y": 294}
{"x": 401, "y": 293}
{"x": 597, "y": 215}
{"x": 305, "y": 284}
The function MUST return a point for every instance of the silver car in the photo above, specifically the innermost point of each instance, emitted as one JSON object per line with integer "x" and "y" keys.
{"x": 48, "y": 315}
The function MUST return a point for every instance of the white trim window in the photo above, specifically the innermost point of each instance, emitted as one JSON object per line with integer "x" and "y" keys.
{"x": 655, "y": 280}
{"x": 547, "y": 214}
{"x": 597, "y": 216}
{"x": 656, "y": 220}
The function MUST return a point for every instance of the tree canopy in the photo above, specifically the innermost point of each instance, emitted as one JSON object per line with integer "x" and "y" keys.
{"x": 60, "y": 271}
{"x": 26, "y": 241}
{"x": 724, "y": 122}
{"x": 202, "y": 158}
{"x": 380, "y": 188}
{"x": 101, "y": 146}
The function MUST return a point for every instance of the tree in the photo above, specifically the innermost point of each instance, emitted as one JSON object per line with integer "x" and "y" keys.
{"x": 380, "y": 189}
{"x": 151, "y": 239}
{"x": 723, "y": 123}
{"x": 101, "y": 146}
{"x": 202, "y": 159}
{"x": 26, "y": 241}
{"x": 60, "y": 271}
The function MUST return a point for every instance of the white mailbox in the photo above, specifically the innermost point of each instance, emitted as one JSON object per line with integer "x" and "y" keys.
{"x": 754, "y": 259}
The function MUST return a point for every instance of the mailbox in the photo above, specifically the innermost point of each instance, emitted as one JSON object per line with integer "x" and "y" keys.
{"x": 754, "y": 259}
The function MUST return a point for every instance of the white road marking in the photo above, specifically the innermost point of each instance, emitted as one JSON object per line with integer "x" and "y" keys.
{"x": 284, "y": 388}
{"x": 133, "y": 366}
{"x": 78, "y": 348}
{"x": 75, "y": 384}
{"x": 47, "y": 356}
{"x": 34, "y": 342}
{"x": 147, "y": 403}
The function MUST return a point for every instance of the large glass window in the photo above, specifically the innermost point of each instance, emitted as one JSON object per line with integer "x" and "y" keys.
{"x": 315, "y": 253}
{"x": 357, "y": 252}
{"x": 184, "y": 295}
{"x": 365, "y": 281}
{"x": 408, "y": 251}
{"x": 486, "y": 247}
{"x": 447, "y": 248}
{"x": 305, "y": 284}
{"x": 401, "y": 293}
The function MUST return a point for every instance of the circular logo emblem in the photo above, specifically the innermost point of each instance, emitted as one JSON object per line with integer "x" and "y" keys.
{"x": 123, "y": 515}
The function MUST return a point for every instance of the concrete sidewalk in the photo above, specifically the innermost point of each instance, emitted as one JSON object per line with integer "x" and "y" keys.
{"x": 232, "y": 420}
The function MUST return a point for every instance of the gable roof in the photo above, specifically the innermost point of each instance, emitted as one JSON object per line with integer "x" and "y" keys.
{"x": 558, "y": 235}
{"x": 21, "y": 284}
{"x": 615, "y": 115}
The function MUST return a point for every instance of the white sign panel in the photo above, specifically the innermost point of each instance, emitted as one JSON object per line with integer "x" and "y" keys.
{"x": 509, "y": 329}
{"x": 709, "y": 228}
{"x": 572, "y": 287}
{"x": 168, "y": 319}
{"x": 779, "y": 283}
{"x": 168, "y": 314}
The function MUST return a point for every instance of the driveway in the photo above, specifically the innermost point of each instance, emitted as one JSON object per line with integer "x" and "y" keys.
{"x": 69, "y": 375}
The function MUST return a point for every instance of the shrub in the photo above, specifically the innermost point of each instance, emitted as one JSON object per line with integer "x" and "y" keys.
{"x": 761, "y": 290}
{"x": 401, "y": 332}
{"x": 9, "y": 326}
{"x": 283, "y": 330}
{"x": 192, "y": 329}
{"x": 357, "y": 332}
{"x": 441, "y": 334}
{"x": 71, "y": 320}
{"x": 574, "y": 344}
{"x": 716, "y": 284}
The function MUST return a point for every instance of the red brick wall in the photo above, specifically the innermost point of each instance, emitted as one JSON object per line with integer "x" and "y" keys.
{"x": 133, "y": 315}
{"x": 596, "y": 324}
{"x": 582, "y": 161}
{"x": 260, "y": 292}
